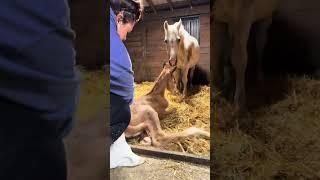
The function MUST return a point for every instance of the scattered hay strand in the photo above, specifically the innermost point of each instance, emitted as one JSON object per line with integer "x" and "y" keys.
{"x": 93, "y": 94}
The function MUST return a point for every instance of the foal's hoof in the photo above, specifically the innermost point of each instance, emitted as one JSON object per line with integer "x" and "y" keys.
{"x": 173, "y": 110}
{"x": 146, "y": 141}
{"x": 176, "y": 93}
{"x": 181, "y": 99}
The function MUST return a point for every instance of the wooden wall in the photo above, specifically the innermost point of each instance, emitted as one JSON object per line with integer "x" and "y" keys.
{"x": 88, "y": 20}
{"x": 147, "y": 48}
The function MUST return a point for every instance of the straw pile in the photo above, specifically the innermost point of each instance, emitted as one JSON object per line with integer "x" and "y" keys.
{"x": 283, "y": 144}
{"x": 92, "y": 94}
{"x": 194, "y": 112}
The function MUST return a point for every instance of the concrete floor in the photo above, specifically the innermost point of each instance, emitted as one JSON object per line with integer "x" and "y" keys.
{"x": 161, "y": 169}
{"x": 86, "y": 150}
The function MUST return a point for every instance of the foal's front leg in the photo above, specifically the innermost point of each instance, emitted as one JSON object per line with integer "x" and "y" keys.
{"x": 165, "y": 113}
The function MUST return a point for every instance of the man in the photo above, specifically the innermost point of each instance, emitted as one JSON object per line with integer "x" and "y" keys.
{"x": 124, "y": 15}
{"x": 38, "y": 88}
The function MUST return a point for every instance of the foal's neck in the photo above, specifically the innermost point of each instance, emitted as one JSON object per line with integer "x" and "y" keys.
{"x": 158, "y": 88}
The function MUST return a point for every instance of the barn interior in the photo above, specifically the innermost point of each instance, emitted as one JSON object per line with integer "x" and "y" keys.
{"x": 280, "y": 137}
{"x": 148, "y": 52}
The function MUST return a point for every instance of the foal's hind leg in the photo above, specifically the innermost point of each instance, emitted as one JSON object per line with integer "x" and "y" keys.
{"x": 136, "y": 130}
{"x": 152, "y": 122}
{"x": 166, "y": 138}
{"x": 159, "y": 137}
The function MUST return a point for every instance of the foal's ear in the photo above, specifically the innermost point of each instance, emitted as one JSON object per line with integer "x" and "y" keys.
{"x": 165, "y": 25}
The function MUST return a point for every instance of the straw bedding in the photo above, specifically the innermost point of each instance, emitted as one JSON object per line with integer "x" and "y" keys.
{"x": 283, "y": 144}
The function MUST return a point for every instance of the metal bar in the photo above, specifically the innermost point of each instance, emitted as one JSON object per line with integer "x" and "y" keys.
{"x": 186, "y": 157}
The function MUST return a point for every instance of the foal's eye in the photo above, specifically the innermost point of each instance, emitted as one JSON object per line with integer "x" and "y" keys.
{"x": 166, "y": 41}
{"x": 178, "y": 40}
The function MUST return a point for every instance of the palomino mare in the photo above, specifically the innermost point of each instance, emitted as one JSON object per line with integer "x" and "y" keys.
{"x": 146, "y": 110}
{"x": 182, "y": 48}
{"x": 232, "y": 21}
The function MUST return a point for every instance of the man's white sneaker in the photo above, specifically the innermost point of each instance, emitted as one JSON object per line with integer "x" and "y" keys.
{"x": 122, "y": 155}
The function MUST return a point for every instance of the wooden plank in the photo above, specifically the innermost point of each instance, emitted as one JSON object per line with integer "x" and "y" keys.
{"x": 137, "y": 37}
{"x": 165, "y": 6}
{"x": 204, "y": 49}
{"x": 156, "y": 52}
{"x": 135, "y": 33}
{"x": 170, "y": 4}
{"x": 155, "y": 64}
{"x": 133, "y": 43}
{"x": 158, "y": 47}
{"x": 155, "y": 39}
{"x": 144, "y": 44}
{"x": 190, "y": 3}
{"x": 198, "y": 10}
{"x": 155, "y": 61}
{"x": 205, "y": 44}
{"x": 186, "y": 157}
